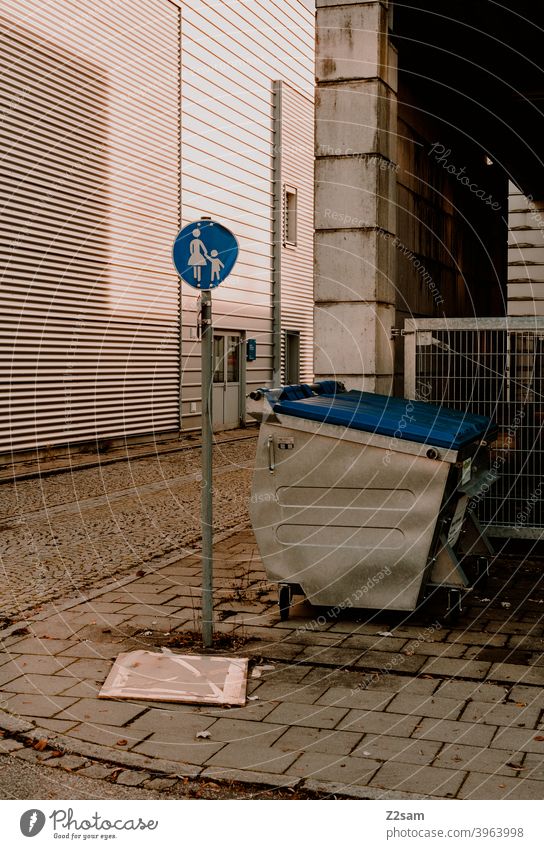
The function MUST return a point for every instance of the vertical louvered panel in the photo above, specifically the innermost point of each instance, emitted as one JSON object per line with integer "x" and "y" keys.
{"x": 297, "y": 164}
{"x": 525, "y": 255}
{"x": 90, "y": 205}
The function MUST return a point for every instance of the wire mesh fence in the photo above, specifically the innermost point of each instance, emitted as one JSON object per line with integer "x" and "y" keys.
{"x": 494, "y": 367}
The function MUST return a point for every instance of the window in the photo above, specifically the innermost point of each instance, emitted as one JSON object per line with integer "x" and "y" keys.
{"x": 290, "y": 216}
{"x": 233, "y": 359}
{"x": 218, "y": 359}
{"x": 292, "y": 356}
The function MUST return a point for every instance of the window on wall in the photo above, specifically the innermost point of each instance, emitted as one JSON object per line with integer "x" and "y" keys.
{"x": 290, "y": 216}
{"x": 292, "y": 356}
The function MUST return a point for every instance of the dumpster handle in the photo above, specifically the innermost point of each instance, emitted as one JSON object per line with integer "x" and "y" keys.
{"x": 271, "y": 462}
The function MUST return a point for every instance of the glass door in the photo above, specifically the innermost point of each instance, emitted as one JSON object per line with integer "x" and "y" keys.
{"x": 226, "y": 380}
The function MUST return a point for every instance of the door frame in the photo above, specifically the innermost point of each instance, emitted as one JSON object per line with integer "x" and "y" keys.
{"x": 242, "y": 380}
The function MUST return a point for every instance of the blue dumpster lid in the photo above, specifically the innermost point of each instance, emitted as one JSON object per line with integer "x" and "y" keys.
{"x": 396, "y": 417}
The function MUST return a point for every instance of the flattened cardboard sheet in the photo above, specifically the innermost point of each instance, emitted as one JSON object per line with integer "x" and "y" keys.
{"x": 166, "y": 677}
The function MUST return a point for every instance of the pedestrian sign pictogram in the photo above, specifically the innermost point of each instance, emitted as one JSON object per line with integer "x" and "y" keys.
{"x": 204, "y": 253}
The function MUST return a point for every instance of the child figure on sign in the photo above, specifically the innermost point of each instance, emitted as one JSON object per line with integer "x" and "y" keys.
{"x": 216, "y": 266}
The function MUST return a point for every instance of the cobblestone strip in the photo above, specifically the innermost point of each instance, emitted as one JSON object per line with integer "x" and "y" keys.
{"x": 152, "y": 566}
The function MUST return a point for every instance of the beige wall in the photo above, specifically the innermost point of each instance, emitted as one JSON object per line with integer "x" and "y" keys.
{"x": 97, "y": 184}
{"x": 90, "y": 204}
{"x": 525, "y": 255}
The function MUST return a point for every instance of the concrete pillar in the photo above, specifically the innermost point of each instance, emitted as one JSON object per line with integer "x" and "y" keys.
{"x": 355, "y": 199}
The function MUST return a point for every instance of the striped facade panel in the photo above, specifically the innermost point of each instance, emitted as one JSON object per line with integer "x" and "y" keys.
{"x": 525, "y": 255}
{"x": 297, "y": 172}
{"x": 232, "y": 52}
{"x": 90, "y": 203}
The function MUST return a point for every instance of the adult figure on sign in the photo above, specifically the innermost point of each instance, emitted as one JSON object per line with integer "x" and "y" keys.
{"x": 198, "y": 255}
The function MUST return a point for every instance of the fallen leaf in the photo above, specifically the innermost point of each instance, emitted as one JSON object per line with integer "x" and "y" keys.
{"x": 501, "y": 785}
{"x": 521, "y": 704}
{"x": 515, "y": 766}
{"x": 539, "y": 738}
{"x": 40, "y": 744}
{"x": 121, "y": 743}
{"x": 55, "y": 754}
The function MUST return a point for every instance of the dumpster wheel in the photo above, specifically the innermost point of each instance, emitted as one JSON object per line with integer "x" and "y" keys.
{"x": 454, "y": 608}
{"x": 284, "y": 600}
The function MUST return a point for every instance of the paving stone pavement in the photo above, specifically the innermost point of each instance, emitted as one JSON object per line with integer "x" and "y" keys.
{"x": 342, "y": 706}
{"x": 64, "y": 533}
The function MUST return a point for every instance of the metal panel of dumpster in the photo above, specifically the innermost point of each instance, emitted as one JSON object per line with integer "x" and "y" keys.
{"x": 360, "y": 500}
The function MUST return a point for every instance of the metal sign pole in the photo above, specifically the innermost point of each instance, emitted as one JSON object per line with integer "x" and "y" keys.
{"x": 207, "y": 470}
{"x": 204, "y": 255}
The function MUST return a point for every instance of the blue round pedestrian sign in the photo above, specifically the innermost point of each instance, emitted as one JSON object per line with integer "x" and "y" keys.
{"x": 204, "y": 253}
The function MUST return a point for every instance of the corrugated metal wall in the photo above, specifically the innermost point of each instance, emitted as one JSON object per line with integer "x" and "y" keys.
{"x": 90, "y": 197}
{"x": 297, "y": 172}
{"x": 525, "y": 255}
{"x": 93, "y": 101}
{"x": 232, "y": 52}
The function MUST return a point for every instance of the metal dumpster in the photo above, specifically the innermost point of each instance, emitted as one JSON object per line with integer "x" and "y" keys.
{"x": 360, "y": 500}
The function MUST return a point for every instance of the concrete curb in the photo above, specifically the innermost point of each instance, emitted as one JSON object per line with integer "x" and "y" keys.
{"x": 29, "y": 733}
{"x": 354, "y": 792}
